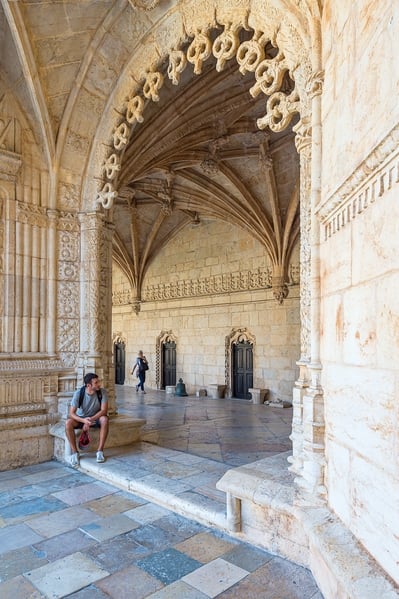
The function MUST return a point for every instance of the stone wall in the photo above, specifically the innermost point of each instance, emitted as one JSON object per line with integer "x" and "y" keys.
{"x": 360, "y": 276}
{"x": 203, "y": 318}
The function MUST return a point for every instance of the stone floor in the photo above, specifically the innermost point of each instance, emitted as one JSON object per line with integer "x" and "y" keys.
{"x": 146, "y": 523}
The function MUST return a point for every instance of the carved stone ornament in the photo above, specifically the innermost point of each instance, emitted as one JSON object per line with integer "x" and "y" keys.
{"x": 134, "y": 111}
{"x": 251, "y": 53}
{"x": 106, "y": 196}
{"x": 225, "y": 47}
{"x": 111, "y": 166}
{"x": 152, "y": 85}
{"x": 121, "y": 136}
{"x": 177, "y": 64}
{"x": 279, "y": 111}
{"x": 199, "y": 51}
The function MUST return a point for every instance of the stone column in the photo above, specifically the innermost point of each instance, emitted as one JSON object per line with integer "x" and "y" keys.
{"x": 95, "y": 300}
{"x": 312, "y": 481}
{"x": 303, "y": 142}
{"x": 51, "y": 299}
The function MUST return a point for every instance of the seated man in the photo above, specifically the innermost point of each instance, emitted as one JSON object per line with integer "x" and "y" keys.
{"x": 89, "y": 407}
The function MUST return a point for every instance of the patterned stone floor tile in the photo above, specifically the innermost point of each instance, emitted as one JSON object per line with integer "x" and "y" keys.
{"x": 277, "y": 579}
{"x": 16, "y": 537}
{"x": 117, "y": 553}
{"x": 112, "y": 526}
{"x": 131, "y": 582}
{"x": 19, "y": 588}
{"x": 67, "y": 575}
{"x": 206, "y": 547}
{"x": 112, "y": 504}
{"x": 215, "y": 577}
{"x": 64, "y": 544}
{"x": 145, "y": 514}
{"x": 154, "y": 538}
{"x": 247, "y": 557}
{"x": 57, "y": 523}
{"x": 22, "y": 509}
{"x": 178, "y": 590}
{"x": 18, "y": 561}
{"x": 179, "y": 525}
{"x": 84, "y": 493}
{"x": 168, "y": 565}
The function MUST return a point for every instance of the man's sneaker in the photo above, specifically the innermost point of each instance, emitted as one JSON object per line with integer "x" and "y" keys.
{"x": 74, "y": 460}
{"x": 100, "y": 457}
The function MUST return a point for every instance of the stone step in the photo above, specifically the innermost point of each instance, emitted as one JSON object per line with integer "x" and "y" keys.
{"x": 123, "y": 430}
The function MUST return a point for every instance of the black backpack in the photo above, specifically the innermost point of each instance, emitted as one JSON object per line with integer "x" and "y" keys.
{"x": 82, "y": 394}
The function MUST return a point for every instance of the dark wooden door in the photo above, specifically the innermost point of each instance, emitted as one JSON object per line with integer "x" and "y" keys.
{"x": 242, "y": 370}
{"x": 168, "y": 364}
{"x": 119, "y": 361}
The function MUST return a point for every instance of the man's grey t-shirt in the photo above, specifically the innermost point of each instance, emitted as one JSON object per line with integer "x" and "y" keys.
{"x": 90, "y": 405}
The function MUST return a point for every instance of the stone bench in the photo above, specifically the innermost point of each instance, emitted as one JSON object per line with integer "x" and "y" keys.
{"x": 260, "y": 501}
{"x": 123, "y": 430}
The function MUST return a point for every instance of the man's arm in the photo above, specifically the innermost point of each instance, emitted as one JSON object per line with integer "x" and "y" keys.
{"x": 74, "y": 416}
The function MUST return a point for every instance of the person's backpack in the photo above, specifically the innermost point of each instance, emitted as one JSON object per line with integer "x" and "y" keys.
{"x": 82, "y": 394}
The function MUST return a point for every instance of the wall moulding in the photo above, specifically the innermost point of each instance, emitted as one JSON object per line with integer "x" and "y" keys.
{"x": 377, "y": 174}
{"x": 249, "y": 280}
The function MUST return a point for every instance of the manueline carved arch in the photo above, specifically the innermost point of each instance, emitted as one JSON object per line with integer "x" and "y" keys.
{"x": 157, "y": 185}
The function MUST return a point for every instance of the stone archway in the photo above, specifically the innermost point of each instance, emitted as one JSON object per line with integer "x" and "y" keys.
{"x": 235, "y": 336}
{"x": 163, "y": 337}
{"x": 197, "y": 39}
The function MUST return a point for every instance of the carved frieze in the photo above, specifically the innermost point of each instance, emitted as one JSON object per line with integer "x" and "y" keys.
{"x": 377, "y": 174}
{"x": 228, "y": 283}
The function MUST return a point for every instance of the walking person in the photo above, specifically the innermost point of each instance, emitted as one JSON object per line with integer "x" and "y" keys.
{"x": 89, "y": 408}
{"x": 142, "y": 366}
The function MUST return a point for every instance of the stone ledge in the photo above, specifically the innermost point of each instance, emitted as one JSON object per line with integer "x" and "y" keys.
{"x": 123, "y": 430}
{"x": 262, "y": 509}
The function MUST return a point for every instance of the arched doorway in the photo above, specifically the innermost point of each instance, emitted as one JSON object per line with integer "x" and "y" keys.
{"x": 242, "y": 369}
{"x": 166, "y": 359}
{"x": 168, "y": 364}
{"x": 119, "y": 355}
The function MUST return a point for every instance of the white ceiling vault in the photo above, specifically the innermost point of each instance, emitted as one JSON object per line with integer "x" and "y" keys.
{"x": 198, "y": 154}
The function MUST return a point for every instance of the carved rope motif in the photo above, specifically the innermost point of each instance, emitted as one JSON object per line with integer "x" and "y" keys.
{"x": 250, "y": 56}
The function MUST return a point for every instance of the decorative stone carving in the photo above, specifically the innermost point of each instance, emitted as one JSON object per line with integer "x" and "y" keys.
{"x": 134, "y": 110}
{"x": 111, "y": 166}
{"x": 269, "y": 75}
{"x": 106, "y": 196}
{"x": 199, "y": 51}
{"x": 121, "y": 136}
{"x": 225, "y": 46}
{"x": 227, "y": 283}
{"x": 251, "y": 53}
{"x": 152, "y": 85}
{"x": 177, "y": 64}
{"x": 280, "y": 109}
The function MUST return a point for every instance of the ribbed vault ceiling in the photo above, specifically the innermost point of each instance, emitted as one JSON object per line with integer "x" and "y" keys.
{"x": 199, "y": 155}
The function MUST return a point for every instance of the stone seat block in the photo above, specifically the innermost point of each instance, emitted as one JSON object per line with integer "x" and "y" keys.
{"x": 216, "y": 391}
{"x": 258, "y": 395}
{"x": 123, "y": 430}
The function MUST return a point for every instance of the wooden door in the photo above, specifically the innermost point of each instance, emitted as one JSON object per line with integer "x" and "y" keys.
{"x": 168, "y": 364}
{"x": 119, "y": 361}
{"x": 242, "y": 369}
